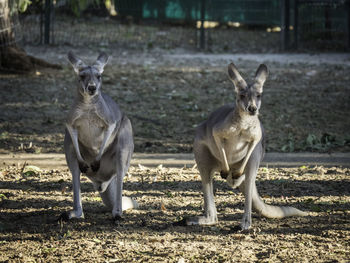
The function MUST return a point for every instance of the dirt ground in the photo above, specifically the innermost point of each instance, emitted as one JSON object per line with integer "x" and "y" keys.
{"x": 32, "y": 201}
{"x": 305, "y": 105}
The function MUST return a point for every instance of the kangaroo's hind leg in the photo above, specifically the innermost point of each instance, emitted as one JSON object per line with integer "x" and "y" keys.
{"x": 120, "y": 158}
{"x": 248, "y": 187}
{"x": 206, "y": 164}
{"x": 73, "y": 165}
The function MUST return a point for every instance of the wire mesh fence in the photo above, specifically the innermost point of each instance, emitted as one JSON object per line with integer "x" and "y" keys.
{"x": 323, "y": 24}
{"x": 104, "y": 32}
{"x": 229, "y": 25}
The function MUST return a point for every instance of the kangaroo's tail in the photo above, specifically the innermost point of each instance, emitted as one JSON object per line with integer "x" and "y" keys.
{"x": 271, "y": 211}
{"x": 129, "y": 203}
{"x": 109, "y": 197}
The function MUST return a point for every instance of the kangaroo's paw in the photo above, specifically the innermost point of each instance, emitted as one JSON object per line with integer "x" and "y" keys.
{"x": 201, "y": 220}
{"x": 235, "y": 182}
{"x": 236, "y": 174}
{"x": 83, "y": 167}
{"x": 95, "y": 166}
{"x": 224, "y": 174}
{"x": 68, "y": 215}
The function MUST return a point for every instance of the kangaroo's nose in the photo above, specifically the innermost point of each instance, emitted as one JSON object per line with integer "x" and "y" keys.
{"x": 252, "y": 109}
{"x": 91, "y": 89}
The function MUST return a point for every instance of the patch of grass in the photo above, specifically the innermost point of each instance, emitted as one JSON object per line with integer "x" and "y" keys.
{"x": 324, "y": 142}
{"x": 3, "y": 197}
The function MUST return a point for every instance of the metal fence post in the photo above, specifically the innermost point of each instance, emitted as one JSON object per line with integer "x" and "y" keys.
{"x": 348, "y": 23}
{"x": 296, "y": 23}
{"x": 202, "y": 30}
{"x": 41, "y": 23}
{"x": 285, "y": 24}
{"x": 47, "y": 21}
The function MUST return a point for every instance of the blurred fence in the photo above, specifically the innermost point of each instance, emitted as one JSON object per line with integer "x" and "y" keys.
{"x": 210, "y": 24}
{"x": 322, "y": 24}
{"x": 255, "y": 12}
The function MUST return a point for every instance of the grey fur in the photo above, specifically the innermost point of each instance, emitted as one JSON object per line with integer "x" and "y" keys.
{"x": 98, "y": 140}
{"x": 232, "y": 142}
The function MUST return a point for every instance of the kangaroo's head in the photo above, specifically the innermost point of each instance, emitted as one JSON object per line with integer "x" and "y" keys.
{"x": 89, "y": 76}
{"x": 248, "y": 97}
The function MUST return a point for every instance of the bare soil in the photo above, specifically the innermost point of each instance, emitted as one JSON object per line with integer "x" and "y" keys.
{"x": 31, "y": 203}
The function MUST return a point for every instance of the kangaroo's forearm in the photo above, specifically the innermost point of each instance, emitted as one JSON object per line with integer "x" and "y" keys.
{"x": 249, "y": 153}
{"x": 222, "y": 152}
{"x": 107, "y": 135}
{"x": 74, "y": 136}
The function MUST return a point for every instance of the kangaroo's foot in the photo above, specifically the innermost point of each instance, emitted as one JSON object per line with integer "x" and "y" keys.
{"x": 68, "y": 215}
{"x": 201, "y": 220}
{"x": 246, "y": 222}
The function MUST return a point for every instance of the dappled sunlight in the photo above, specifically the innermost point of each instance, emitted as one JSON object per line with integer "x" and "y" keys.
{"x": 32, "y": 200}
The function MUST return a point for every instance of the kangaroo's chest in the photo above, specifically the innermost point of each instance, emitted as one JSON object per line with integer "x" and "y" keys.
{"x": 238, "y": 140}
{"x": 90, "y": 129}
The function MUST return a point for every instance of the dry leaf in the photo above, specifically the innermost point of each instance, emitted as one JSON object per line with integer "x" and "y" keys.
{"x": 162, "y": 207}
{"x": 141, "y": 167}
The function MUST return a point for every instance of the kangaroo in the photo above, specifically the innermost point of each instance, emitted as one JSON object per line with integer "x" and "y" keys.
{"x": 232, "y": 142}
{"x": 98, "y": 140}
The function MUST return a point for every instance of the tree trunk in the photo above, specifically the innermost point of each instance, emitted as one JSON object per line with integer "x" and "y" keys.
{"x": 12, "y": 58}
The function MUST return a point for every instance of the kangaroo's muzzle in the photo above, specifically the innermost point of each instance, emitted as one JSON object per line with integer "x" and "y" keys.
{"x": 252, "y": 110}
{"x": 91, "y": 89}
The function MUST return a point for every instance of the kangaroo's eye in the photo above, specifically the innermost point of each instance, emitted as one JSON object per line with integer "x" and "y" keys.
{"x": 258, "y": 96}
{"x": 99, "y": 77}
{"x": 82, "y": 76}
{"x": 242, "y": 96}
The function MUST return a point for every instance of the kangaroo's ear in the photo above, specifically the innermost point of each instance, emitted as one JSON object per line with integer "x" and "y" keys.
{"x": 101, "y": 62}
{"x": 76, "y": 62}
{"x": 236, "y": 78}
{"x": 261, "y": 76}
